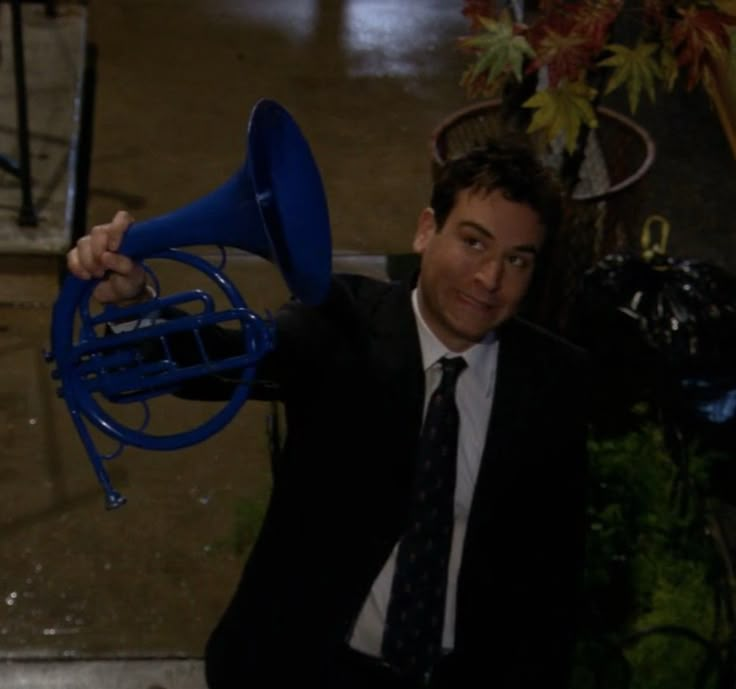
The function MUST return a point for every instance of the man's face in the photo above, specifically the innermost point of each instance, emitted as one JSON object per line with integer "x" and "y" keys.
{"x": 477, "y": 268}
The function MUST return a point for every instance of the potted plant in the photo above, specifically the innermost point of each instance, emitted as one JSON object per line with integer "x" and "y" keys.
{"x": 558, "y": 60}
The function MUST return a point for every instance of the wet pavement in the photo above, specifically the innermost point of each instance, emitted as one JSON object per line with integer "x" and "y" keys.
{"x": 367, "y": 80}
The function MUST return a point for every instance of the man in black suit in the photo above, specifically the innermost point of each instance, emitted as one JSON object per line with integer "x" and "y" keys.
{"x": 356, "y": 374}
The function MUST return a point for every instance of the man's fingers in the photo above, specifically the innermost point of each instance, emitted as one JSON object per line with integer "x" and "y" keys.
{"x": 95, "y": 256}
{"x": 100, "y": 241}
{"x": 117, "y": 228}
{"x": 92, "y": 252}
{"x": 86, "y": 255}
{"x": 117, "y": 289}
{"x": 126, "y": 277}
{"x": 118, "y": 263}
{"x": 106, "y": 293}
{"x": 75, "y": 266}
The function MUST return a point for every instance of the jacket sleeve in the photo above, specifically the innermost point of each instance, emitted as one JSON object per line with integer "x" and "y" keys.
{"x": 305, "y": 339}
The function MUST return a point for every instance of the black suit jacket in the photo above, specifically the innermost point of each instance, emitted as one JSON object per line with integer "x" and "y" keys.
{"x": 350, "y": 375}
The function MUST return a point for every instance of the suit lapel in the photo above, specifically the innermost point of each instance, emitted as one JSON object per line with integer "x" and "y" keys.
{"x": 399, "y": 377}
{"x": 397, "y": 354}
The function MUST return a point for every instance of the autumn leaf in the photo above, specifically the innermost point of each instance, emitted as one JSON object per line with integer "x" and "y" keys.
{"x": 594, "y": 20}
{"x": 499, "y": 49}
{"x": 562, "y": 111}
{"x": 701, "y": 40}
{"x": 635, "y": 67}
{"x": 669, "y": 68}
{"x": 475, "y": 9}
{"x": 476, "y": 87}
{"x": 566, "y": 42}
{"x": 565, "y": 55}
{"x": 568, "y": 38}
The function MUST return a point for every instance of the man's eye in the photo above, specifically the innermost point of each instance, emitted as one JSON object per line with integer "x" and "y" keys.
{"x": 518, "y": 261}
{"x": 473, "y": 242}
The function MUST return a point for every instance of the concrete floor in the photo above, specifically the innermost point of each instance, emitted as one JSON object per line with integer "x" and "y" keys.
{"x": 367, "y": 80}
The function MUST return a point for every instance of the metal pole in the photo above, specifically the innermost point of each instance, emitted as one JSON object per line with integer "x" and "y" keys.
{"x": 27, "y": 215}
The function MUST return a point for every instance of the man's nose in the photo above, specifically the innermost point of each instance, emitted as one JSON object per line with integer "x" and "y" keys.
{"x": 489, "y": 274}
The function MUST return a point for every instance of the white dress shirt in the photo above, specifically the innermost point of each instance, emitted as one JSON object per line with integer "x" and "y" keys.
{"x": 473, "y": 395}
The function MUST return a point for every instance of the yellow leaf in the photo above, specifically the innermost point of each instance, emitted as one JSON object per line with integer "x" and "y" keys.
{"x": 562, "y": 111}
{"x": 670, "y": 71}
{"x": 635, "y": 67}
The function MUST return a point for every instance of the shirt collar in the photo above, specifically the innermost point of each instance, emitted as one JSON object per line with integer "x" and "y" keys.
{"x": 480, "y": 357}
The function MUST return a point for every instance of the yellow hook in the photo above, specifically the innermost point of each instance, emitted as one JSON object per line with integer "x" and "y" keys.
{"x": 650, "y": 249}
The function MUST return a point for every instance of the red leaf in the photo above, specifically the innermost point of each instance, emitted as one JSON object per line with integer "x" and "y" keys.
{"x": 701, "y": 40}
{"x": 474, "y": 9}
{"x": 655, "y": 12}
{"x": 570, "y": 37}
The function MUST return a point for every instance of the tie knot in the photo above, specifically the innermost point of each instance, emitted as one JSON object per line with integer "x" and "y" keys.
{"x": 451, "y": 369}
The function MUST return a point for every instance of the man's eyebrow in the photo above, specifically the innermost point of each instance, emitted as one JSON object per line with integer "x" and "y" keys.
{"x": 476, "y": 226}
{"x": 524, "y": 248}
{"x": 527, "y": 249}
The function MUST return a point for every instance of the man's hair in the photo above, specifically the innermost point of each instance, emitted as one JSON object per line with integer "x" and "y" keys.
{"x": 508, "y": 166}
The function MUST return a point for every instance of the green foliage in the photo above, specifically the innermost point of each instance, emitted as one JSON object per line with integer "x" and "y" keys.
{"x": 682, "y": 595}
{"x": 500, "y": 48}
{"x": 651, "y": 568}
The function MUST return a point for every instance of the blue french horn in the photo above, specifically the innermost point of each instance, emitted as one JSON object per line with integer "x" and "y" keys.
{"x": 274, "y": 206}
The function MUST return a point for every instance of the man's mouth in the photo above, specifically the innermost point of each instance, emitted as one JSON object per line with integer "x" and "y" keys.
{"x": 480, "y": 304}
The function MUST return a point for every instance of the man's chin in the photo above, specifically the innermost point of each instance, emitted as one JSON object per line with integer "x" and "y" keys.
{"x": 478, "y": 330}
{"x": 474, "y": 335}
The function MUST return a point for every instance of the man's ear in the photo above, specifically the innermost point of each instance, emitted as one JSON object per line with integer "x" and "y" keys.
{"x": 426, "y": 228}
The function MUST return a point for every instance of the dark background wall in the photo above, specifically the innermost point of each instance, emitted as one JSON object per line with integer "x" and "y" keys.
{"x": 693, "y": 179}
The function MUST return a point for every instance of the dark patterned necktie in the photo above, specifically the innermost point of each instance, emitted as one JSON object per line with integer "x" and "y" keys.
{"x": 412, "y": 638}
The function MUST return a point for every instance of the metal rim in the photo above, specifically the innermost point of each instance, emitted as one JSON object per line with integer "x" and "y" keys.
{"x": 647, "y": 141}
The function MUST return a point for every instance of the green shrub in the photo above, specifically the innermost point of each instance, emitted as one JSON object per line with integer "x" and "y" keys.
{"x": 650, "y": 607}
